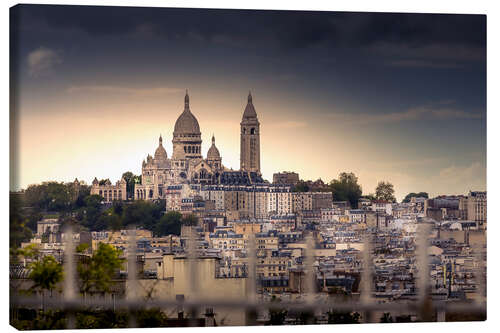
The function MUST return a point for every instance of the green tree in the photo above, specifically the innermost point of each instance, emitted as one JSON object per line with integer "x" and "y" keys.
{"x": 96, "y": 274}
{"x": 118, "y": 208}
{"x": 111, "y": 218}
{"x": 138, "y": 179}
{"x": 346, "y": 188}
{"x": 45, "y": 320}
{"x": 36, "y": 196}
{"x": 190, "y": 220}
{"x": 18, "y": 230}
{"x": 89, "y": 319}
{"x": 83, "y": 192}
{"x": 169, "y": 224}
{"x": 386, "y": 318}
{"x": 415, "y": 195}
{"x": 385, "y": 192}
{"x": 29, "y": 252}
{"x": 61, "y": 196}
{"x": 129, "y": 178}
{"x": 301, "y": 186}
{"x": 52, "y": 196}
{"x": 151, "y": 318}
{"x": 108, "y": 221}
{"x": 335, "y": 317}
{"x": 46, "y": 274}
{"x": 143, "y": 214}
{"x": 369, "y": 196}
{"x": 277, "y": 315}
{"x": 82, "y": 248}
{"x": 92, "y": 210}
{"x": 104, "y": 181}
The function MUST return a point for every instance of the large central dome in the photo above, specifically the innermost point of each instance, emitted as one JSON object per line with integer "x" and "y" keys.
{"x": 187, "y": 122}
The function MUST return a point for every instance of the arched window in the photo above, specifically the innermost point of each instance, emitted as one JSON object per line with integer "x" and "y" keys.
{"x": 244, "y": 131}
{"x": 252, "y": 131}
{"x": 189, "y": 149}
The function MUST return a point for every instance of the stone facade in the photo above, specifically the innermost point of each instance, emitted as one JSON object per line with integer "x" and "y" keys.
{"x": 285, "y": 177}
{"x": 473, "y": 207}
{"x": 187, "y": 165}
{"x": 110, "y": 192}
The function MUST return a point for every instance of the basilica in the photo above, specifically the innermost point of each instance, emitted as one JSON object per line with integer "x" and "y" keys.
{"x": 188, "y": 166}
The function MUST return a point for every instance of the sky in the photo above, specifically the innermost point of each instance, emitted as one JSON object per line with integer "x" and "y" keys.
{"x": 390, "y": 97}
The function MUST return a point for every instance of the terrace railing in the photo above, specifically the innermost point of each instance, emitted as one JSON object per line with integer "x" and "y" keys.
{"x": 366, "y": 305}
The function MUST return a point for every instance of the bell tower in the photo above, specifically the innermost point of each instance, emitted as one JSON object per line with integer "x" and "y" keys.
{"x": 250, "y": 139}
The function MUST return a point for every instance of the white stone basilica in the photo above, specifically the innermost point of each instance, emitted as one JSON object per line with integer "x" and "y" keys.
{"x": 187, "y": 165}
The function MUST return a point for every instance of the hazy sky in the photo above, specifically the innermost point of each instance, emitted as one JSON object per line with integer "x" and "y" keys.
{"x": 394, "y": 97}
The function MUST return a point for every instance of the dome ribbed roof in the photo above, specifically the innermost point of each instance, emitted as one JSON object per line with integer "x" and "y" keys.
{"x": 249, "y": 110}
{"x": 187, "y": 122}
{"x": 213, "y": 152}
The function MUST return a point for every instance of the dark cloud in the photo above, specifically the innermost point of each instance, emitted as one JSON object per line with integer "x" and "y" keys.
{"x": 422, "y": 29}
{"x": 294, "y": 29}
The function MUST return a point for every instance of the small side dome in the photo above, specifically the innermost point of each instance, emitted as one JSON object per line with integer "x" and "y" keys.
{"x": 213, "y": 152}
{"x": 160, "y": 153}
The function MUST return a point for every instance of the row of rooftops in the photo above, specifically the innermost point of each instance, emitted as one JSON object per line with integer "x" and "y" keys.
{"x": 256, "y": 187}
{"x": 225, "y": 232}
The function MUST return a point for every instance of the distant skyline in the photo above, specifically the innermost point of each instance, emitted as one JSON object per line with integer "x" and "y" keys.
{"x": 390, "y": 97}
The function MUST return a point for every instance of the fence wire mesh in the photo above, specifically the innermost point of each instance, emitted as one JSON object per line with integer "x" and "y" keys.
{"x": 253, "y": 302}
